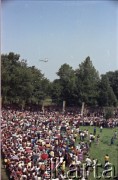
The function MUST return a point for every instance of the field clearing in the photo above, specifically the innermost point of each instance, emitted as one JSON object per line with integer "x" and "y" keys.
{"x": 98, "y": 151}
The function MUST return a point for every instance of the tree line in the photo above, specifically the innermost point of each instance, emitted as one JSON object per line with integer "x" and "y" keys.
{"x": 24, "y": 85}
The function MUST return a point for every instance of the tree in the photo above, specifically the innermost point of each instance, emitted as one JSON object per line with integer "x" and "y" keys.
{"x": 27, "y": 85}
{"x": 56, "y": 90}
{"x": 106, "y": 94}
{"x": 108, "y": 113}
{"x": 87, "y": 82}
{"x": 67, "y": 83}
{"x": 21, "y": 84}
{"x": 113, "y": 79}
{"x": 8, "y": 64}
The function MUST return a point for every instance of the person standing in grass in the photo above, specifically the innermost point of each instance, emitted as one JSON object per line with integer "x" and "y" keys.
{"x": 101, "y": 128}
{"x": 94, "y": 132}
{"x": 98, "y": 139}
{"x": 112, "y": 140}
{"x": 88, "y": 165}
{"x": 106, "y": 158}
{"x": 115, "y": 135}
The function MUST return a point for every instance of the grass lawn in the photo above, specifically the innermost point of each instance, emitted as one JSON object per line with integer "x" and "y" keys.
{"x": 98, "y": 151}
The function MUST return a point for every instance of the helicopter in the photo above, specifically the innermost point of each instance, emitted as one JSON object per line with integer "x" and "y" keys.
{"x": 44, "y": 60}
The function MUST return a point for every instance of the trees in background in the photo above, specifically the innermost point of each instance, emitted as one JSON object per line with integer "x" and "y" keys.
{"x": 106, "y": 94}
{"x": 113, "y": 79}
{"x": 21, "y": 84}
{"x": 87, "y": 82}
{"x": 24, "y": 85}
{"x": 67, "y": 80}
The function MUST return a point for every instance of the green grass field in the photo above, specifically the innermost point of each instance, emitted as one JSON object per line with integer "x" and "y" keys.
{"x": 98, "y": 151}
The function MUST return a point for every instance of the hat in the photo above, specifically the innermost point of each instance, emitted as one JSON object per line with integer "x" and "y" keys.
{"x": 43, "y": 143}
{"x": 52, "y": 153}
{"x": 47, "y": 145}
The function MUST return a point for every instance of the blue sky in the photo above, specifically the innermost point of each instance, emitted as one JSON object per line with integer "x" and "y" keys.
{"x": 63, "y": 32}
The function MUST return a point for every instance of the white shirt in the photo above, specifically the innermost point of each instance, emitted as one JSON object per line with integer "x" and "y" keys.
{"x": 88, "y": 161}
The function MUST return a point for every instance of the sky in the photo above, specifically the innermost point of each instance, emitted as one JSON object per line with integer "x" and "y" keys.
{"x": 62, "y": 31}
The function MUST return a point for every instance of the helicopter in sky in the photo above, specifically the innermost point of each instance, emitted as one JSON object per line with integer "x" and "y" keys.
{"x": 44, "y": 60}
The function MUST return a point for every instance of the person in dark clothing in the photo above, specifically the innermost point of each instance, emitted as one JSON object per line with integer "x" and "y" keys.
{"x": 94, "y": 132}
{"x": 112, "y": 140}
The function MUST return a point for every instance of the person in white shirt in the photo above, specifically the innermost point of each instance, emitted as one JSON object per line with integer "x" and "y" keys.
{"x": 88, "y": 165}
{"x": 88, "y": 161}
{"x": 101, "y": 128}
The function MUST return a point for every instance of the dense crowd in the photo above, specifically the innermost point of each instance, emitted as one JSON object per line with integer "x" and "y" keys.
{"x": 33, "y": 143}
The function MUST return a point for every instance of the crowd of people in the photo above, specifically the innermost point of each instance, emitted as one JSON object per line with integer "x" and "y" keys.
{"x": 35, "y": 143}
